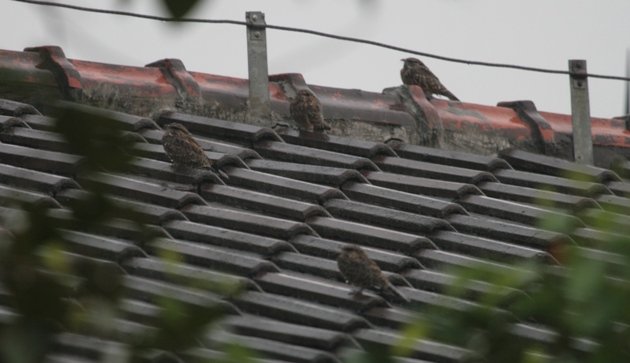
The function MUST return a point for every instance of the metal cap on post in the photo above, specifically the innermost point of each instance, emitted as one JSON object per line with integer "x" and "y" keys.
{"x": 259, "y": 101}
{"x": 580, "y": 113}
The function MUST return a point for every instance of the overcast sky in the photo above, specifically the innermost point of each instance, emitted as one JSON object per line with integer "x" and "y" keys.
{"x": 539, "y": 33}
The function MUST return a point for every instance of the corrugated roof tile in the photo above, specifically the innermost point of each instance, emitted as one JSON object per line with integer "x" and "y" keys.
{"x": 262, "y": 203}
{"x": 385, "y": 217}
{"x": 449, "y": 157}
{"x": 367, "y": 235}
{"x": 317, "y": 338}
{"x": 298, "y": 311}
{"x": 217, "y": 258}
{"x": 281, "y": 186}
{"x": 432, "y": 170}
{"x": 245, "y": 221}
{"x": 318, "y": 291}
{"x": 328, "y": 248}
{"x": 39, "y": 160}
{"x": 408, "y": 202}
{"x": 422, "y": 186}
{"x": 222, "y": 237}
{"x": 309, "y": 173}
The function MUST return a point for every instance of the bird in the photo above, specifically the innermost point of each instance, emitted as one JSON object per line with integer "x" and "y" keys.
{"x": 306, "y": 111}
{"x": 182, "y": 149}
{"x": 414, "y": 72}
{"x": 359, "y": 270}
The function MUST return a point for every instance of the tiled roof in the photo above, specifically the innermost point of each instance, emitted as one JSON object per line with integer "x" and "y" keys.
{"x": 399, "y": 113}
{"x": 292, "y": 200}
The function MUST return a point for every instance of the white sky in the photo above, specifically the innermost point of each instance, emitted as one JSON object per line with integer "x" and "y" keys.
{"x": 539, "y": 33}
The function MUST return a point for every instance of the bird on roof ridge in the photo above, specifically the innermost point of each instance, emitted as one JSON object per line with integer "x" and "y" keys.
{"x": 306, "y": 110}
{"x": 361, "y": 271}
{"x": 414, "y": 72}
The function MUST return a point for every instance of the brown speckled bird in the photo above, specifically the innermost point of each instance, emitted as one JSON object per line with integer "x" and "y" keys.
{"x": 359, "y": 270}
{"x": 306, "y": 111}
{"x": 416, "y": 73}
{"x": 182, "y": 149}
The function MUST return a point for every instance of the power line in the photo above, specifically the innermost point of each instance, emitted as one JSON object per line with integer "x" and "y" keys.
{"x": 321, "y": 34}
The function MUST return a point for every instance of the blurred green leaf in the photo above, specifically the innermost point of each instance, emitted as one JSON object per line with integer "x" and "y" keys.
{"x": 96, "y": 137}
{"x": 179, "y": 8}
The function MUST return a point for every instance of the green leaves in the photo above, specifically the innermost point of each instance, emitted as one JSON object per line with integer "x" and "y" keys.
{"x": 179, "y": 8}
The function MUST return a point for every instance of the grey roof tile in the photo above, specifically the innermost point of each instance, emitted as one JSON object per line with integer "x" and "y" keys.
{"x": 403, "y": 201}
{"x": 216, "y": 258}
{"x": 225, "y": 130}
{"x": 39, "y": 122}
{"x": 36, "y": 139}
{"x": 422, "y": 186}
{"x": 14, "y": 108}
{"x": 282, "y": 151}
{"x": 164, "y": 171}
{"x": 344, "y": 145}
{"x": 150, "y": 213}
{"x": 328, "y": 248}
{"x": 487, "y": 248}
{"x": 222, "y": 237}
{"x": 39, "y": 160}
{"x": 551, "y": 183}
{"x": 132, "y": 188}
{"x": 34, "y": 180}
{"x": 363, "y": 234}
{"x": 169, "y": 271}
{"x": 7, "y": 123}
{"x": 210, "y": 355}
{"x": 547, "y": 165}
{"x": 281, "y": 186}
{"x": 261, "y": 202}
{"x": 274, "y": 349}
{"x": 614, "y": 203}
{"x": 449, "y": 157}
{"x": 318, "y": 291}
{"x": 151, "y": 291}
{"x": 385, "y": 217}
{"x": 443, "y": 260}
{"x": 423, "y": 349}
{"x": 537, "y": 197}
{"x": 508, "y": 231}
{"x": 307, "y": 264}
{"x": 110, "y": 249}
{"x": 11, "y": 195}
{"x": 245, "y": 221}
{"x": 390, "y": 317}
{"x": 299, "y": 311}
{"x": 518, "y": 212}
{"x": 326, "y": 175}
{"x": 621, "y": 188}
{"x": 317, "y": 338}
{"x": 432, "y": 170}
{"x": 439, "y": 282}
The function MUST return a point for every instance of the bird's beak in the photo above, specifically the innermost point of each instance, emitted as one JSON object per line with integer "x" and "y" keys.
{"x": 403, "y": 59}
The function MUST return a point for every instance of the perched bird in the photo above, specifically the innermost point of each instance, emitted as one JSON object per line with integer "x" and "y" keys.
{"x": 414, "y": 72}
{"x": 182, "y": 149}
{"x": 359, "y": 270}
{"x": 306, "y": 111}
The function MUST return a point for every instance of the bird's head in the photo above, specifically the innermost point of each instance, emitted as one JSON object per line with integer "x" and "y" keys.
{"x": 412, "y": 61}
{"x": 351, "y": 249}
{"x": 176, "y": 127}
{"x": 304, "y": 93}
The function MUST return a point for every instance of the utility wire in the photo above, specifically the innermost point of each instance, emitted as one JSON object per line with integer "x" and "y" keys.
{"x": 321, "y": 34}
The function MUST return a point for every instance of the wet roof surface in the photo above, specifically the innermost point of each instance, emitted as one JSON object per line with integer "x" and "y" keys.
{"x": 276, "y": 225}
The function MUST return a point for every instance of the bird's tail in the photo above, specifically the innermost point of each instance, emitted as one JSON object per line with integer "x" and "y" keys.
{"x": 323, "y": 126}
{"x": 392, "y": 293}
{"x": 451, "y": 96}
